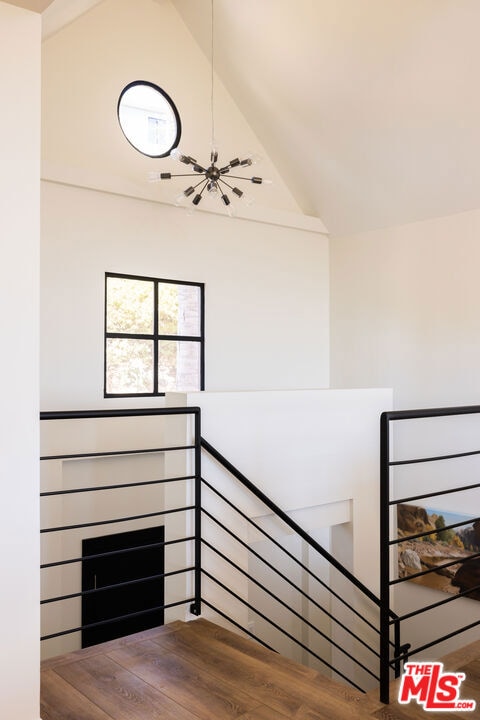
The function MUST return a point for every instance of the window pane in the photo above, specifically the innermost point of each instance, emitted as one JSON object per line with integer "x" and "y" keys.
{"x": 129, "y": 366}
{"x": 129, "y": 306}
{"x": 179, "y": 309}
{"x": 149, "y": 119}
{"x": 178, "y": 366}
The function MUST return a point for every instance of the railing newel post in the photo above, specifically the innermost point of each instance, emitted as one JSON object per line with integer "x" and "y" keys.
{"x": 384, "y": 559}
{"x": 196, "y": 607}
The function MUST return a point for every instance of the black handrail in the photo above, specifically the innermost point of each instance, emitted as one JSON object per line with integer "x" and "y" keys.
{"x": 403, "y": 653}
{"x": 292, "y": 557}
{"x": 301, "y": 533}
{"x": 276, "y": 510}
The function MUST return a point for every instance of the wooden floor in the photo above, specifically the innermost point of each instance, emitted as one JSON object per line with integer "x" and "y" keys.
{"x": 196, "y": 670}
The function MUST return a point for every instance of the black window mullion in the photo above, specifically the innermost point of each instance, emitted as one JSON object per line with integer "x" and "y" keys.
{"x": 105, "y": 339}
{"x": 155, "y": 335}
{"x": 129, "y": 336}
{"x": 202, "y": 337}
{"x": 180, "y": 338}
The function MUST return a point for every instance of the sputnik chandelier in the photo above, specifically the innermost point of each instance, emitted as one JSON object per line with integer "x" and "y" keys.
{"x": 212, "y": 177}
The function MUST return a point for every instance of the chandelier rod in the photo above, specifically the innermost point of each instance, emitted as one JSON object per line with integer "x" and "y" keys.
{"x": 212, "y": 56}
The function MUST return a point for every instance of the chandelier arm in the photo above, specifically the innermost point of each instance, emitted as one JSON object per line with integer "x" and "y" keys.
{"x": 205, "y": 183}
{"x": 236, "y": 191}
{"x": 203, "y": 180}
{"x": 171, "y": 175}
{"x": 255, "y": 180}
{"x": 192, "y": 188}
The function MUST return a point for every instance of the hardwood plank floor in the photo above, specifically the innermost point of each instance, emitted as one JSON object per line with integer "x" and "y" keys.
{"x": 199, "y": 671}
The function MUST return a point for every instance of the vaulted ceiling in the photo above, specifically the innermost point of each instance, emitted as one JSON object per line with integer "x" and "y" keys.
{"x": 370, "y": 110}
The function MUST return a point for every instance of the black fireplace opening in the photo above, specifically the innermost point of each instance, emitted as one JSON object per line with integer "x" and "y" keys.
{"x": 135, "y": 563}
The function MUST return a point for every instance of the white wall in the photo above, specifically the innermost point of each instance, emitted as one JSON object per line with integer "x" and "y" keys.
{"x": 404, "y": 311}
{"x": 266, "y": 290}
{"x": 19, "y": 240}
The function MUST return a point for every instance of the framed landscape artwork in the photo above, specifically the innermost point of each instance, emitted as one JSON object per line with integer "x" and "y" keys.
{"x": 442, "y": 546}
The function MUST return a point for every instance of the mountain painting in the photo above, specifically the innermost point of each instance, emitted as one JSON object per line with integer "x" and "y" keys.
{"x": 443, "y": 546}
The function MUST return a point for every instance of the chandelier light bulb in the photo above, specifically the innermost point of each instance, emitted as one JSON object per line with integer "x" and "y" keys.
{"x": 175, "y": 154}
{"x": 180, "y": 200}
{"x": 251, "y": 159}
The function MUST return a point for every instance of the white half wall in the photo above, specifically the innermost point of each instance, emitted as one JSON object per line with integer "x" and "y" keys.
{"x": 266, "y": 292}
{"x": 306, "y": 449}
{"x": 19, "y": 250}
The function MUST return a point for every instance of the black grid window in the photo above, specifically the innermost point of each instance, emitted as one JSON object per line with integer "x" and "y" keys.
{"x": 154, "y": 335}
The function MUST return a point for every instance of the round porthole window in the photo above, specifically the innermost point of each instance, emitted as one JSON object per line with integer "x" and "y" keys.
{"x": 149, "y": 119}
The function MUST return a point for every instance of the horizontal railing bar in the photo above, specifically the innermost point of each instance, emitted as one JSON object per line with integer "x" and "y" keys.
{"x": 434, "y": 494}
{"x": 127, "y": 583}
{"x": 116, "y": 453}
{"x": 115, "y": 552}
{"x": 294, "y": 612}
{"x": 284, "y": 550}
{"x": 116, "y": 619}
{"x": 237, "y": 625}
{"x": 116, "y": 412}
{"x": 288, "y": 520}
{"x": 119, "y": 520}
{"x": 282, "y": 630}
{"x": 421, "y": 648}
{"x": 435, "y": 569}
{"x": 432, "y": 532}
{"x": 416, "y": 461}
{"x": 292, "y": 584}
{"x": 393, "y": 415}
{"x": 115, "y": 487}
{"x": 433, "y": 606}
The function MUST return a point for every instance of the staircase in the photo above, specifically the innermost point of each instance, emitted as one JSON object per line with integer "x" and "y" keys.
{"x": 198, "y": 670}
{"x": 330, "y": 619}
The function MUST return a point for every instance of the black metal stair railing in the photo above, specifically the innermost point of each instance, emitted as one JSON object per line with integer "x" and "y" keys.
{"x": 390, "y": 501}
{"x": 364, "y": 641}
{"x": 350, "y": 614}
{"x": 64, "y": 529}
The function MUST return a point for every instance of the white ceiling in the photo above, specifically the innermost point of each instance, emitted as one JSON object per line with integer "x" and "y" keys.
{"x": 369, "y": 108}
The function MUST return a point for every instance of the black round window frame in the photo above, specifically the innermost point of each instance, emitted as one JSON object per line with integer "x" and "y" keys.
{"x": 169, "y": 101}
